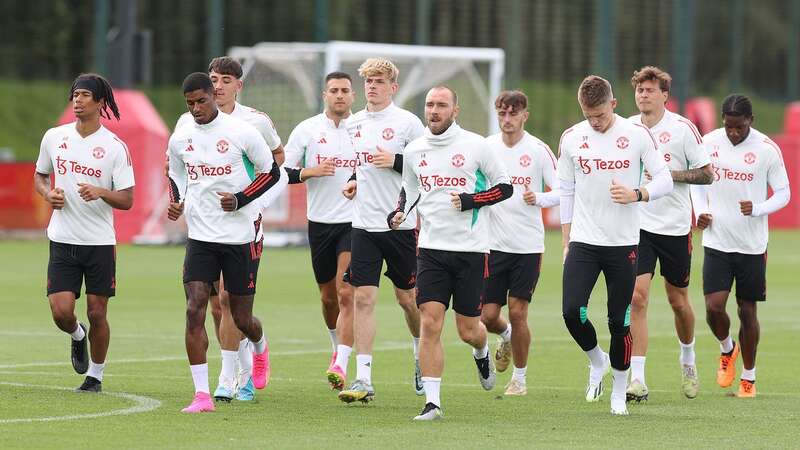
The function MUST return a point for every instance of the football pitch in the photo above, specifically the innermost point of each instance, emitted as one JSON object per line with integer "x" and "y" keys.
{"x": 147, "y": 378}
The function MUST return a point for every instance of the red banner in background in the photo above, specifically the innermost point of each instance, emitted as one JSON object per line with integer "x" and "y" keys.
{"x": 21, "y": 208}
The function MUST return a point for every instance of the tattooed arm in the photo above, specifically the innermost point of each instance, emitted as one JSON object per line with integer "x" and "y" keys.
{"x": 701, "y": 175}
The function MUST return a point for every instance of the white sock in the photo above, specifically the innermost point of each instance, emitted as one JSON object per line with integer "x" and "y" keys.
{"x": 620, "y": 383}
{"x": 519, "y": 373}
{"x": 726, "y": 345}
{"x": 364, "y": 368}
{"x": 687, "y": 353}
{"x": 415, "y": 341}
{"x": 596, "y": 356}
{"x": 78, "y": 334}
{"x": 637, "y": 368}
{"x": 506, "y": 335}
{"x": 482, "y": 352}
{"x": 432, "y": 386}
{"x": 200, "y": 377}
{"x": 245, "y": 356}
{"x": 749, "y": 374}
{"x": 334, "y": 341}
{"x": 261, "y": 345}
{"x": 228, "y": 371}
{"x": 96, "y": 370}
{"x": 343, "y": 356}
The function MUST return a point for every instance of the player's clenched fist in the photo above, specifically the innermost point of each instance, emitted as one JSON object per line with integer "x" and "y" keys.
{"x": 746, "y": 207}
{"x": 704, "y": 221}
{"x": 383, "y": 159}
{"x": 326, "y": 168}
{"x": 88, "y": 192}
{"x": 227, "y": 201}
{"x": 529, "y": 196}
{"x": 56, "y": 198}
{"x": 396, "y": 219}
{"x": 349, "y": 190}
{"x": 455, "y": 200}
{"x": 174, "y": 211}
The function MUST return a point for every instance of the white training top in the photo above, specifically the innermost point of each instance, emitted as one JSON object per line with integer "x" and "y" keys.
{"x": 515, "y": 226}
{"x": 223, "y": 155}
{"x": 741, "y": 172}
{"x": 100, "y": 159}
{"x": 390, "y": 129}
{"x": 313, "y": 141}
{"x": 682, "y": 147}
{"x": 454, "y": 161}
{"x": 592, "y": 160}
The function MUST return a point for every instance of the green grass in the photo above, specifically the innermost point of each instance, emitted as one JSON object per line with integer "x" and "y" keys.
{"x": 298, "y": 411}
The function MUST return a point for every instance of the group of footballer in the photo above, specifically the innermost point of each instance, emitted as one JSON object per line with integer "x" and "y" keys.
{"x": 455, "y": 216}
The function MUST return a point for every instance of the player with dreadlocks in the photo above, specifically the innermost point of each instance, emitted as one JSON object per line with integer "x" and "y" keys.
{"x": 93, "y": 174}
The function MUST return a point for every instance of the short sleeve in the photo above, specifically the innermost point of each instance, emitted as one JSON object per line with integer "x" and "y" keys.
{"x": 44, "y": 164}
{"x": 122, "y": 173}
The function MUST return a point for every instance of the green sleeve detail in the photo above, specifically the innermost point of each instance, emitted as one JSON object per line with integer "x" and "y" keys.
{"x": 480, "y": 185}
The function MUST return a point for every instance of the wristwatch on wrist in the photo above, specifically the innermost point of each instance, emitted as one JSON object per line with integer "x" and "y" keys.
{"x": 638, "y": 195}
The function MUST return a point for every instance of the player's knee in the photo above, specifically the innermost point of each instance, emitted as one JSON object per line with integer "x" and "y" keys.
{"x": 430, "y": 325}
{"x": 364, "y": 303}
{"x": 407, "y": 302}
{"x": 345, "y": 294}
{"x": 489, "y": 316}
{"x": 195, "y": 314}
{"x": 96, "y": 314}
{"x": 714, "y": 308}
{"x": 467, "y": 331}
{"x": 518, "y": 318}
{"x": 241, "y": 320}
{"x": 639, "y": 300}
{"x": 617, "y": 327}
{"x": 747, "y": 312}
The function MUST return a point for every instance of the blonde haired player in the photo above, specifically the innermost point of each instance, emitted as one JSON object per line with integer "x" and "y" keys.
{"x": 380, "y": 133}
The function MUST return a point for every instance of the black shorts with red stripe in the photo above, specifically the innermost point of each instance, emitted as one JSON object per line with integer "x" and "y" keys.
{"x": 444, "y": 274}
{"x": 512, "y": 275}
{"x": 238, "y": 264}
{"x": 673, "y": 253}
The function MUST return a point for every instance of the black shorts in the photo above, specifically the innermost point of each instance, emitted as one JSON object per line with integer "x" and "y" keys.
{"x": 370, "y": 249}
{"x": 674, "y": 254}
{"x": 69, "y": 264}
{"x": 327, "y": 241}
{"x": 749, "y": 271}
{"x": 238, "y": 263}
{"x": 461, "y": 275}
{"x": 512, "y": 275}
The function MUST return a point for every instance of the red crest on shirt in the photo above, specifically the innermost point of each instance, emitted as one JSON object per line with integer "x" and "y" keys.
{"x": 664, "y": 137}
{"x": 750, "y": 157}
{"x": 525, "y": 160}
{"x": 457, "y": 160}
{"x": 222, "y": 146}
{"x": 623, "y": 142}
{"x": 98, "y": 152}
{"x": 388, "y": 134}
